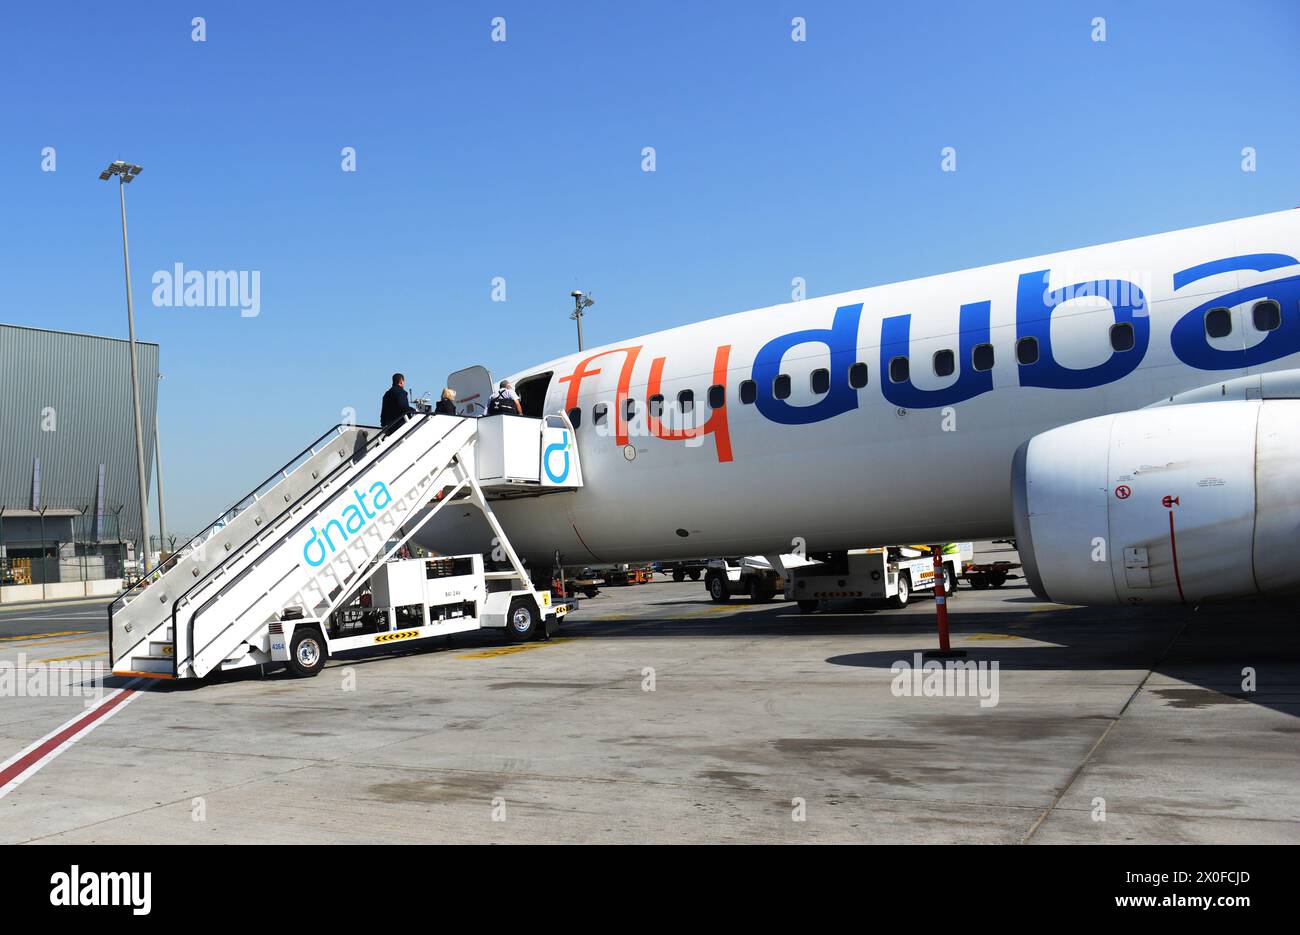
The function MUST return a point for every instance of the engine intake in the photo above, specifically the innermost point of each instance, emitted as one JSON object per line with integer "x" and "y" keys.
{"x": 1182, "y": 503}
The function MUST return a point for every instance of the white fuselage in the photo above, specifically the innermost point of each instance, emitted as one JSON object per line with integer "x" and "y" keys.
{"x": 925, "y": 458}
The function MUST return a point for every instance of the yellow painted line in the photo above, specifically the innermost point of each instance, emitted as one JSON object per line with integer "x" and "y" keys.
{"x": 992, "y": 636}
{"x": 511, "y": 650}
{"x": 42, "y": 636}
{"x": 65, "y": 641}
{"x": 70, "y": 658}
{"x": 720, "y": 609}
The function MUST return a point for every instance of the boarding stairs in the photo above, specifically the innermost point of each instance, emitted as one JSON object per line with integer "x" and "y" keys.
{"x": 308, "y": 537}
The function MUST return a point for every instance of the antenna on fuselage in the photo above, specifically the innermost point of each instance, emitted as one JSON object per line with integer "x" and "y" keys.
{"x": 581, "y": 303}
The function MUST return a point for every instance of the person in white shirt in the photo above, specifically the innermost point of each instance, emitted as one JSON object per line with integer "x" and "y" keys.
{"x": 505, "y": 400}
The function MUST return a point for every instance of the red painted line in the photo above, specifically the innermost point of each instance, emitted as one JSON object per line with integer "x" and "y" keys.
{"x": 28, "y": 762}
{"x": 1173, "y": 543}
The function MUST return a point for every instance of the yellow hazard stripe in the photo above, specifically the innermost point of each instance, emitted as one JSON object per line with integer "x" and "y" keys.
{"x": 393, "y": 637}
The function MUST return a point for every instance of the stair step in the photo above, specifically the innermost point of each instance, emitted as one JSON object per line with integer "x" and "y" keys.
{"x": 159, "y": 648}
{"x": 161, "y": 664}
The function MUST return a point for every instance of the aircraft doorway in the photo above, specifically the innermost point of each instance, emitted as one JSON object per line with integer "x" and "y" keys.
{"x": 532, "y": 394}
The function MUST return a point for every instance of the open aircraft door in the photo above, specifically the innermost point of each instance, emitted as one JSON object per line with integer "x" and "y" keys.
{"x": 473, "y": 387}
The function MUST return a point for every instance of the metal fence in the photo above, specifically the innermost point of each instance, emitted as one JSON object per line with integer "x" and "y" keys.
{"x": 63, "y": 549}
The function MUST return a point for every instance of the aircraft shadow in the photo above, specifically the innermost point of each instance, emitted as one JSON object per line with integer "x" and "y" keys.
{"x": 1207, "y": 647}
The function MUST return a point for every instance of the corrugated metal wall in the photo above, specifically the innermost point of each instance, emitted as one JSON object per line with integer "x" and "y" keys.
{"x": 66, "y": 399}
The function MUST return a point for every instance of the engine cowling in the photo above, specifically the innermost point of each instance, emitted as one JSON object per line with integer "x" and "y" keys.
{"x": 1180, "y": 503}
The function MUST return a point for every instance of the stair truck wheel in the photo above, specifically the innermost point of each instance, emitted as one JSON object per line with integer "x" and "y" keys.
{"x": 307, "y": 652}
{"x": 717, "y": 585}
{"x": 695, "y": 574}
{"x": 760, "y": 592}
{"x": 904, "y": 592}
{"x": 679, "y": 575}
{"x": 522, "y": 623}
{"x": 808, "y": 607}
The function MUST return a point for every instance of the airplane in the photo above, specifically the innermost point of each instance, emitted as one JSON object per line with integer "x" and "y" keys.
{"x": 1129, "y": 413}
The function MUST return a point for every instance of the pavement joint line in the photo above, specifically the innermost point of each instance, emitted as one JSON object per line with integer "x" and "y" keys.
{"x": 158, "y": 805}
{"x": 1138, "y": 813}
{"x": 1087, "y": 758}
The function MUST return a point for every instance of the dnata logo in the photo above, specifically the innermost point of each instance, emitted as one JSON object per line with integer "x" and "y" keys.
{"x": 354, "y": 518}
{"x": 561, "y": 446}
{"x": 80, "y": 887}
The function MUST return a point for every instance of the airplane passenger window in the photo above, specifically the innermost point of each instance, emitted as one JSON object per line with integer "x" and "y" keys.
{"x": 858, "y": 376}
{"x": 1121, "y": 336}
{"x": 655, "y": 406}
{"x": 981, "y": 358}
{"x": 575, "y": 417}
{"x": 899, "y": 370}
{"x": 748, "y": 391}
{"x": 945, "y": 362}
{"x": 717, "y": 396}
{"x": 1267, "y": 315}
{"x": 781, "y": 386}
{"x": 686, "y": 401}
{"x": 631, "y": 409}
{"x": 598, "y": 413}
{"x": 821, "y": 380}
{"x": 1218, "y": 323}
{"x": 1027, "y": 351}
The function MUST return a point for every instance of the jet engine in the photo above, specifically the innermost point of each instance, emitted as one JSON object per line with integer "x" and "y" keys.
{"x": 1175, "y": 504}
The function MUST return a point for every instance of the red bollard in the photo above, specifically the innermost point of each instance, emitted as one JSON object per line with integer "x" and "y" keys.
{"x": 941, "y": 607}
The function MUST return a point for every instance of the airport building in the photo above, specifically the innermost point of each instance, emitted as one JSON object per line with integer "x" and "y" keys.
{"x": 69, "y": 502}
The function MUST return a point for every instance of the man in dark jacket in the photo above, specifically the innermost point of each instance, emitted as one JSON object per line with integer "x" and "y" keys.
{"x": 397, "y": 404}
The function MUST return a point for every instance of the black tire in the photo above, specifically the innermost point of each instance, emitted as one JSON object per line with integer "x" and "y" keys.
{"x": 997, "y": 580}
{"x": 760, "y": 592}
{"x": 808, "y": 607}
{"x": 679, "y": 575}
{"x": 307, "y": 652}
{"x": 900, "y": 599}
{"x": 694, "y": 573}
{"x": 522, "y": 621}
{"x": 590, "y": 592}
{"x": 719, "y": 590}
{"x": 949, "y": 581}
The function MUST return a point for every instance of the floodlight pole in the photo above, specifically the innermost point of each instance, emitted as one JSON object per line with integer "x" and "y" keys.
{"x": 580, "y": 304}
{"x": 135, "y": 385}
{"x": 577, "y": 316}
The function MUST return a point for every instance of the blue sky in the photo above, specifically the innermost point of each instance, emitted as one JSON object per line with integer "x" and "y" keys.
{"x": 522, "y": 160}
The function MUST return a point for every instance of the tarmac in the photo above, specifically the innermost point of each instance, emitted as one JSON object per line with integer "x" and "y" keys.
{"x": 658, "y": 716}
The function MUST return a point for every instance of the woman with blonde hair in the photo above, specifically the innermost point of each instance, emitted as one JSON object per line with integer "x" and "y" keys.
{"x": 447, "y": 405}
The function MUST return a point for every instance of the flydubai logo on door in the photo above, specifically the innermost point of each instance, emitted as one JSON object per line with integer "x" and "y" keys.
{"x": 336, "y": 532}
{"x": 561, "y": 446}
